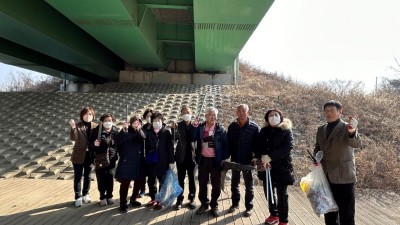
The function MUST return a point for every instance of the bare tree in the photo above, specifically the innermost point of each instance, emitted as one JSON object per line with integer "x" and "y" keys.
{"x": 395, "y": 83}
{"x": 24, "y": 81}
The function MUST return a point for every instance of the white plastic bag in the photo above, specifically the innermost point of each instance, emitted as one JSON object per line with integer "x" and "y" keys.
{"x": 317, "y": 189}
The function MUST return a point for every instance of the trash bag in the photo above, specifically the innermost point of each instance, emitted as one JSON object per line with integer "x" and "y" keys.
{"x": 169, "y": 190}
{"x": 317, "y": 189}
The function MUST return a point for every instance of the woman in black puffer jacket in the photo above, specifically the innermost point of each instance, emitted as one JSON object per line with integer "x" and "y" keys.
{"x": 130, "y": 142}
{"x": 275, "y": 144}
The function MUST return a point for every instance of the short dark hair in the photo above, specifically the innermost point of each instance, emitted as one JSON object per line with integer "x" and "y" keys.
{"x": 134, "y": 118}
{"x": 86, "y": 110}
{"x": 157, "y": 114}
{"x": 105, "y": 115}
{"x": 186, "y": 107}
{"x": 333, "y": 103}
{"x": 273, "y": 110}
{"x": 146, "y": 112}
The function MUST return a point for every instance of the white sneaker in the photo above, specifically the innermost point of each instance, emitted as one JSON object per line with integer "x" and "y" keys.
{"x": 78, "y": 202}
{"x": 103, "y": 202}
{"x": 86, "y": 199}
{"x": 110, "y": 201}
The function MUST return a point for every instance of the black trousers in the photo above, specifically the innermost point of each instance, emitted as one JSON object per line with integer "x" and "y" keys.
{"x": 248, "y": 183}
{"x": 151, "y": 180}
{"x": 84, "y": 170}
{"x": 345, "y": 199}
{"x": 186, "y": 166}
{"x": 124, "y": 187}
{"x": 105, "y": 182}
{"x": 279, "y": 208}
{"x": 208, "y": 167}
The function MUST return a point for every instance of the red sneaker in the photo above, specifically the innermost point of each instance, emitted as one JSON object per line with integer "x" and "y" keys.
{"x": 152, "y": 203}
{"x": 271, "y": 220}
{"x": 157, "y": 206}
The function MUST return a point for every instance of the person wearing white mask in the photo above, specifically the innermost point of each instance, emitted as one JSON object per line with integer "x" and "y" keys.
{"x": 159, "y": 154}
{"x": 275, "y": 143}
{"x": 102, "y": 144}
{"x": 184, "y": 156}
{"x": 131, "y": 165}
{"x": 81, "y": 157}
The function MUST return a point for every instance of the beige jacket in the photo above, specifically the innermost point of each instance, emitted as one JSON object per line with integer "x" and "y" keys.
{"x": 79, "y": 135}
{"x": 338, "y": 161}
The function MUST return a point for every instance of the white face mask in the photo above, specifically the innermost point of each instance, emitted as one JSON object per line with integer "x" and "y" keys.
{"x": 274, "y": 120}
{"x": 186, "y": 117}
{"x": 157, "y": 125}
{"x": 108, "y": 125}
{"x": 87, "y": 118}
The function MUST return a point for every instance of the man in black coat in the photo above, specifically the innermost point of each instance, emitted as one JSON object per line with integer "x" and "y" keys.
{"x": 242, "y": 141}
{"x": 184, "y": 156}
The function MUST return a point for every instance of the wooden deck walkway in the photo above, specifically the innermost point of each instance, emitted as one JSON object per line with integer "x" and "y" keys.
{"x": 30, "y": 201}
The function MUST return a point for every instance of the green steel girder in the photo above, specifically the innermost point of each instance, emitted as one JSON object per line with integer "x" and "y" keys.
{"x": 221, "y": 29}
{"x": 51, "y": 34}
{"x": 30, "y": 59}
{"x": 118, "y": 26}
{"x": 98, "y": 37}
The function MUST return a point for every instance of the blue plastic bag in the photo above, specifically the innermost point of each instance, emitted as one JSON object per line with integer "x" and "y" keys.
{"x": 169, "y": 190}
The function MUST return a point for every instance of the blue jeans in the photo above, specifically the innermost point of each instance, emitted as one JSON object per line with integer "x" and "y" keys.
{"x": 82, "y": 169}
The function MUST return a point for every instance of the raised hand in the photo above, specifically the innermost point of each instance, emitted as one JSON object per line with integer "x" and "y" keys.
{"x": 72, "y": 123}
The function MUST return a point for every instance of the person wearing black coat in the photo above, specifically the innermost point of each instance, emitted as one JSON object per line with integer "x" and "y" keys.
{"x": 159, "y": 154}
{"x": 242, "y": 139}
{"x": 131, "y": 166}
{"x": 275, "y": 144}
{"x": 184, "y": 156}
{"x": 103, "y": 147}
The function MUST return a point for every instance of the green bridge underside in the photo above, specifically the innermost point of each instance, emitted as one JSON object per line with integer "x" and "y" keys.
{"x": 92, "y": 40}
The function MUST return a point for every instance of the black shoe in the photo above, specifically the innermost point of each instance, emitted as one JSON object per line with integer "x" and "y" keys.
{"x": 233, "y": 208}
{"x": 123, "y": 208}
{"x": 248, "y": 212}
{"x": 202, "y": 209}
{"x": 178, "y": 205}
{"x": 192, "y": 204}
{"x": 135, "y": 203}
{"x": 214, "y": 212}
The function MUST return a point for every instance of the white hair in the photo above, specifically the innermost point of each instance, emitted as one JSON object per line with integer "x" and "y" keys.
{"x": 212, "y": 109}
{"x": 244, "y": 106}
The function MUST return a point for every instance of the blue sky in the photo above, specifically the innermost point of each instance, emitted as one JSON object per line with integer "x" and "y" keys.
{"x": 320, "y": 40}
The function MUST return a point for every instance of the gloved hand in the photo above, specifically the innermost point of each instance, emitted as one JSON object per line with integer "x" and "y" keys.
{"x": 97, "y": 143}
{"x": 172, "y": 166}
{"x": 265, "y": 159}
{"x": 353, "y": 123}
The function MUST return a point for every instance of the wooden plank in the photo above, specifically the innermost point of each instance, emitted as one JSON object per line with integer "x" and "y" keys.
{"x": 42, "y": 201}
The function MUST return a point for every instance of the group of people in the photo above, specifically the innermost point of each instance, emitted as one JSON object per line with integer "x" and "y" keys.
{"x": 141, "y": 151}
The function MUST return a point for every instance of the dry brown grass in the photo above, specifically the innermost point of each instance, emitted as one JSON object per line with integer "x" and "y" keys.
{"x": 378, "y": 161}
